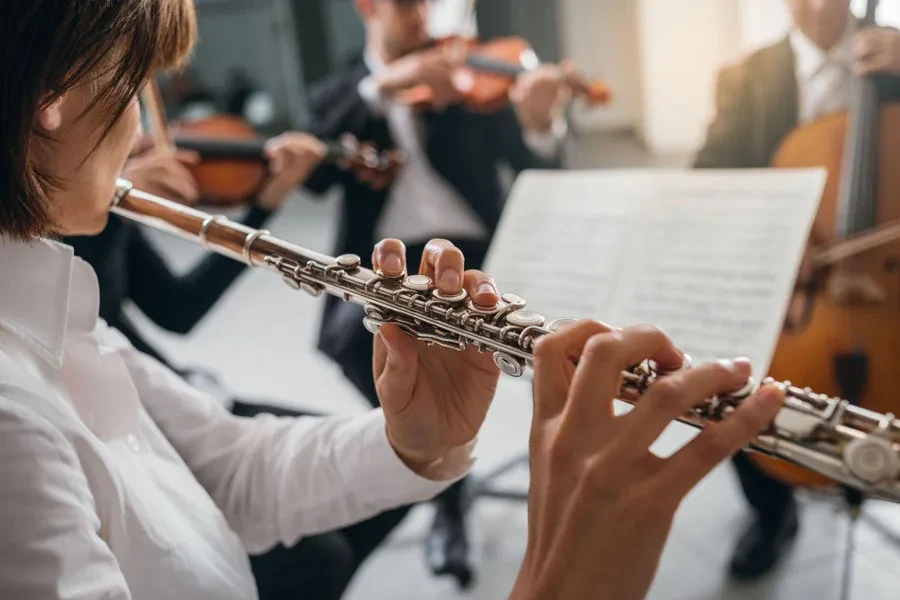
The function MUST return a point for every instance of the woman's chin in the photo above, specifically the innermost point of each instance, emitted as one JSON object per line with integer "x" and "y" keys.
{"x": 92, "y": 226}
{"x": 99, "y": 222}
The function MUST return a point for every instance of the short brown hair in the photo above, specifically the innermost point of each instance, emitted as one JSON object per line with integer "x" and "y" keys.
{"x": 52, "y": 46}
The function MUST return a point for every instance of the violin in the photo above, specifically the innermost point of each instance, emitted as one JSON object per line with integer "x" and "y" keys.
{"x": 490, "y": 70}
{"x": 849, "y": 340}
{"x": 233, "y": 164}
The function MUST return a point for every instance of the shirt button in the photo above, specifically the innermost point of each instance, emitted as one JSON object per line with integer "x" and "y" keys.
{"x": 133, "y": 443}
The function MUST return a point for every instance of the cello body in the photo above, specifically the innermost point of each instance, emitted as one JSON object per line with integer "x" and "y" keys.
{"x": 843, "y": 325}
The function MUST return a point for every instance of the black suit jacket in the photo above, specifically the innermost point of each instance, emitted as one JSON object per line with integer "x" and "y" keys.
{"x": 129, "y": 267}
{"x": 757, "y": 107}
{"x": 464, "y": 148}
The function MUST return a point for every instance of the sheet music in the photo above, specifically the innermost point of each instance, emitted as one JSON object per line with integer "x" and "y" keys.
{"x": 710, "y": 256}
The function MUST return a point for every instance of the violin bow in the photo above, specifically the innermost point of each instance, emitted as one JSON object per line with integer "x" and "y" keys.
{"x": 469, "y": 15}
{"x": 152, "y": 99}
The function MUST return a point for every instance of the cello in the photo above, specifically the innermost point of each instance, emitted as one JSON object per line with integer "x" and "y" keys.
{"x": 848, "y": 344}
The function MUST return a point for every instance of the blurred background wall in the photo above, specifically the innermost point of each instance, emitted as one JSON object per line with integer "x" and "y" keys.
{"x": 659, "y": 56}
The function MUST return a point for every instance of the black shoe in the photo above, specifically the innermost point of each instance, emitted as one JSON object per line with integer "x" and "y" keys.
{"x": 760, "y": 547}
{"x": 447, "y": 546}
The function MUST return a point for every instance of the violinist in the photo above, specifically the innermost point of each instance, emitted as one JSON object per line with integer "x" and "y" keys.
{"x": 449, "y": 187}
{"x": 759, "y": 102}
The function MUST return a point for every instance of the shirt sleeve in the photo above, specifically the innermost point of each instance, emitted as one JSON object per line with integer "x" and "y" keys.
{"x": 368, "y": 91}
{"x": 548, "y": 144}
{"x": 278, "y": 479}
{"x": 49, "y": 542}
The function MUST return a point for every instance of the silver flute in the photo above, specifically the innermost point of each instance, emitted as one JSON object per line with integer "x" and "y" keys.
{"x": 854, "y": 446}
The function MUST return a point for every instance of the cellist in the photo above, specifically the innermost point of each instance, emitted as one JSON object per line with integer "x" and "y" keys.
{"x": 793, "y": 82}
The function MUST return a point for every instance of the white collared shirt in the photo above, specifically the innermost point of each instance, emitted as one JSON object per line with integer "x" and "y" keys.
{"x": 422, "y": 205}
{"x": 823, "y": 78}
{"x": 118, "y": 480}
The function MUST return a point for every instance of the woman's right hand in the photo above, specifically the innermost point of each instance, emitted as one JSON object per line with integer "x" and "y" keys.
{"x": 163, "y": 172}
{"x": 600, "y": 503}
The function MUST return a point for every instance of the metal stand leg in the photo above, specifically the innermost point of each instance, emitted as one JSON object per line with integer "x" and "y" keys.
{"x": 849, "y": 554}
{"x": 854, "y": 501}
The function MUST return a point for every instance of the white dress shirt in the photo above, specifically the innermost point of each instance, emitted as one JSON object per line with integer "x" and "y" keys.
{"x": 118, "y": 480}
{"x": 421, "y": 204}
{"x": 823, "y": 78}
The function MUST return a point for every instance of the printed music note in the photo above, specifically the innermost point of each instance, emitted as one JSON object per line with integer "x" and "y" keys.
{"x": 709, "y": 256}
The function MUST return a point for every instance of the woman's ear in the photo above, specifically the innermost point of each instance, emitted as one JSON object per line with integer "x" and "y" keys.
{"x": 50, "y": 117}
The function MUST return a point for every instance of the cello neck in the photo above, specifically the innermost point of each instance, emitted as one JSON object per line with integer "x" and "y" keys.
{"x": 856, "y": 197}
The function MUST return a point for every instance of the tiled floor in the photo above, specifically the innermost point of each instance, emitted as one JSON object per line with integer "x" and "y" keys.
{"x": 261, "y": 337}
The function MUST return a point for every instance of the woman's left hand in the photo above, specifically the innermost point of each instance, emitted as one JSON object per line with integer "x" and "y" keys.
{"x": 434, "y": 399}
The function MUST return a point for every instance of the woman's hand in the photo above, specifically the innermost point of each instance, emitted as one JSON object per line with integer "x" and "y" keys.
{"x": 292, "y": 158}
{"x": 434, "y": 399}
{"x": 163, "y": 172}
{"x": 600, "y": 503}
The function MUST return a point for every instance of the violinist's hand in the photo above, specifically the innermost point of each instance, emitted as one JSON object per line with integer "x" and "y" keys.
{"x": 538, "y": 96}
{"x": 434, "y": 399}
{"x": 292, "y": 158}
{"x": 600, "y": 504}
{"x": 163, "y": 172}
{"x": 367, "y": 165}
{"x": 437, "y": 68}
{"x": 877, "y": 50}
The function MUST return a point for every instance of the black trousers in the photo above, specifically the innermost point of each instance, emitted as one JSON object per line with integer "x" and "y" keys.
{"x": 768, "y": 497}
{"x": 319, "y": 567}
{"x": 356, "y": 359}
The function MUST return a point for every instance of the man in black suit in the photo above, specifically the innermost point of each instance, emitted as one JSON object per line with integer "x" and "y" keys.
{"x": 450, "y": 186}
{"x": 791, "y": 83}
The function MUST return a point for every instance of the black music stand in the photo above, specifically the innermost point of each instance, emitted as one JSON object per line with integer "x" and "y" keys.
{"x": 851, "y": 372}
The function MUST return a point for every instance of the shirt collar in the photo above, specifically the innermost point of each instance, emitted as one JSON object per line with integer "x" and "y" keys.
{"x": 810, "y": 59}
{"x": 47, "y": 293}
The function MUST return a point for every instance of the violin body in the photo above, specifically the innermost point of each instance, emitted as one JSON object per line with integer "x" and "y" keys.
{"x": 232, "y": 163}
{"x": 856, "y": 310}
{"x": 489, "y": 72}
